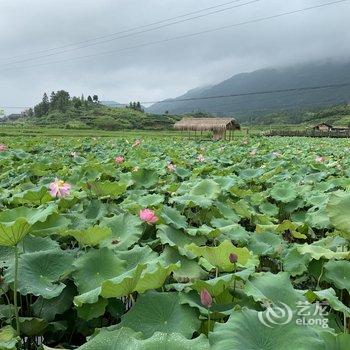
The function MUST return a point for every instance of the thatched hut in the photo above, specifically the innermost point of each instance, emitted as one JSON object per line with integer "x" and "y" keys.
{"x": 218, "y": 126}
{"x": 324, "y": 127}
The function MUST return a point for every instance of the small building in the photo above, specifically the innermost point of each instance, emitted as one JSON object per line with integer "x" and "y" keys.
{"x": 218, "y": 126}
{"x": 324, "y": 127}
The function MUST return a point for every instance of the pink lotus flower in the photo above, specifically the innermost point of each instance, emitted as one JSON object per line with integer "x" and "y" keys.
{"x": 201, "y": 158}
{"x": 171, "y": 167}
{"x": 320, "y": 159}
{"x": 148, "y": 215}
{"x": 119, "y": 159}
{"x": 59, "y": 188}
{"x": 3, "y": 147}
{"x": 206, "y": 298}
{"x": 136, "y": 143}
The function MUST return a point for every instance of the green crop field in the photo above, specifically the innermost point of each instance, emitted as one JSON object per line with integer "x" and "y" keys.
{"x": 107, "y": 242}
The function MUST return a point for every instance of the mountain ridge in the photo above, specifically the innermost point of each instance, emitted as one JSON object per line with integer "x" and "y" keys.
{"x": 266, "y": 79}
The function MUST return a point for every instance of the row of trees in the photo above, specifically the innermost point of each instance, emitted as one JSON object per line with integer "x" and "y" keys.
{"x": 61, "y": 101}
{"x": 136, "y": 106}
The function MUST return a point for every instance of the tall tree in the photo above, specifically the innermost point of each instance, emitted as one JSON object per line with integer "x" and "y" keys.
{"x": 77, "y": 103}
{"x": 52, "y": 100}
{"x": 45, "y": 104}
{"x": 95, "y": 98}
{"x": 89, "y": 99}
{"x": 60, "y": 101}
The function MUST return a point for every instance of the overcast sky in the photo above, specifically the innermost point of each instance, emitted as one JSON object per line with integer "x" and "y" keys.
{"x": 157, "y": 71}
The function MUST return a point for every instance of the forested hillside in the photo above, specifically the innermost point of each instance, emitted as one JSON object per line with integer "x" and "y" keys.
{"x": 243, "y": 107}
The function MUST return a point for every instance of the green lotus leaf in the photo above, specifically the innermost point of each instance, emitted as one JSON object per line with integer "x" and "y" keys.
{"x": 265, "y": 228}
{"x": 219, "y": 256}
{"x": 49, "y": 308}
{"x": 331, "y": 297}
{"x": 317, "y": 218}
{"x": 206, "y": 188}
{"x": 90, "y": 311}
{"x": 230, "y": 230}
{"x": 137, "y": 255}
{"x": 227, "y": 212}
{"x": 39, "y": 272}
{"x": 336, "y": 341}
{"x": 31, "y": 326}
{"x": 215, "y": 286}
{"x": 182, "y": 173}
{"x": 32, "y": 244}
{"x": 92, "y": 236}
{"x": 126, "y": 230}
{"x": 8, "y": 338}
{"x": 33, "y": 197}
{"x": 54, "y": 224}
{"x": 16, "y": 223}
{"x": 338, "y": 209}
{"x": 332, "y": 242}
{"x": 294, "y": 262}
{"x": 265, "y": 243}
{"x": 263, "y": 287}
{"x": 203, "y": 230}
{"x": 317, "y": 252}
{"x": 6, "y": 312}
{"x": 154, "y": 277}
{"x": 161, "y": 312}
{"x": 243, "y": 209}
{"x": 244, "y": 330}
{"x": 269, "y": 209}
{"x": 192, "y": 201}
{"x": 145, "y": 178}
{"x": 108, "y": 188}
{"x": 127, "y": 339}
{"x": 6, "y": 256}
{"x": 227, "y": 182}
{"x": 95, "y": 210}
{"x": 173, "y": 218}
{"x": 150, "y": 200}
{"x": 284, "y": 193}
{"x": 178, "y": 239}
{"x": 123, "y": 284}
{"x": 250, "y": 174}
{"x": 189, "y": 269}
{"x": 338, "y": 272}
{"x": 92, "y": 269}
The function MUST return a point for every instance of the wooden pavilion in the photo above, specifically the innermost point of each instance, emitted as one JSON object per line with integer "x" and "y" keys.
{"x": 218, "y": 126}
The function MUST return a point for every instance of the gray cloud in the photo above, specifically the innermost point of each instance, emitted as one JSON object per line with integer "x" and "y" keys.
{"x": 164, "y": 70}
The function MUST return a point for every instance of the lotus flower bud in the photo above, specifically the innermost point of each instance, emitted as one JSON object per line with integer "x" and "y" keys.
{"x": 206, "y": 298}
{"x": 233, "y": 258}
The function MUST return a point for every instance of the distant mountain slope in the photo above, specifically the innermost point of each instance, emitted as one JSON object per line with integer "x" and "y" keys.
{"x": 262, "y": 80}
{"x": 112, "y": 104}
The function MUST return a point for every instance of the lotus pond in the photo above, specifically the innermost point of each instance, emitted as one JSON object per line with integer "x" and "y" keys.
{"x": 167, "y": 243}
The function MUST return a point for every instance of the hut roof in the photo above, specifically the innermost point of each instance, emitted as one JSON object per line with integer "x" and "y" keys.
{"x": 204, "y": 124}
{"x": 322, "y": 124}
